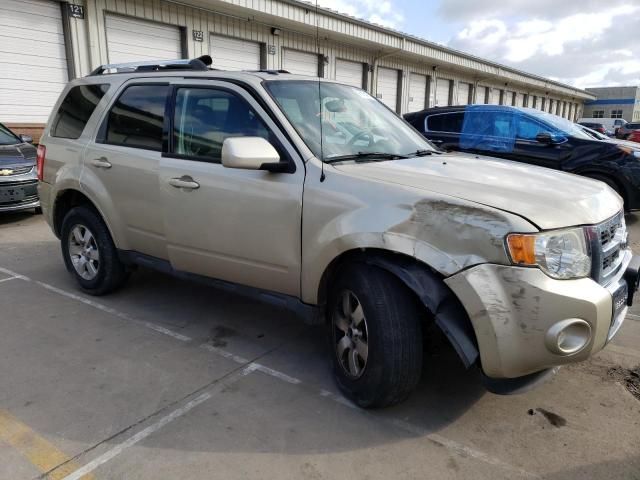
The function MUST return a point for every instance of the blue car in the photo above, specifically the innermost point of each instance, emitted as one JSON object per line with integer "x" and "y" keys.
{"x": 530, "y": 136}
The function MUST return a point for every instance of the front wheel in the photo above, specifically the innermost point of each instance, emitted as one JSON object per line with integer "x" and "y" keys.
{"x": 89, "y": 252}
{"x": 376, "y": 336}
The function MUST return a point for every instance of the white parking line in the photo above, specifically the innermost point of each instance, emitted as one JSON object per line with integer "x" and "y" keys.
{"x": 2, "y": 280}
{"x": 142, "y": 434}
{"x": 100, "y": 306}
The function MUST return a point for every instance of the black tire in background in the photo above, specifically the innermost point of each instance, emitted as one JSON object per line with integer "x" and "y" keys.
{"x": 393, "y": 335}
{"x": 111, "y": 273}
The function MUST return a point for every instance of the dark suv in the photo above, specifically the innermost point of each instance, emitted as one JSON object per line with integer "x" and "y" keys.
{"x": 18, "y": 178}
{"x": 531, "y": 136}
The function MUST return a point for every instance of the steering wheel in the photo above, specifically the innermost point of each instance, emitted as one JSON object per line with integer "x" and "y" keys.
{"x": 358, "y": 136}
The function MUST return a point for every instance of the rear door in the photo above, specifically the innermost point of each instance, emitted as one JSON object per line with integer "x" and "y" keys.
{"x": 241, "y": 226}
{"x": 121, "y": 166}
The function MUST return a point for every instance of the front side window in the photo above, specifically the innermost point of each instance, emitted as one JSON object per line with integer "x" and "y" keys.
{"x": 205, "y": 117}
{"x": 338, "y": 120}
{"x": 136, "y": 118}
{"x": 528, "y": 129}
{"x": 76, "y": 109}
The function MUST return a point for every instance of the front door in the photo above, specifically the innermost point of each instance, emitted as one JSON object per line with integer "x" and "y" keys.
{"x": 241, "y": 226}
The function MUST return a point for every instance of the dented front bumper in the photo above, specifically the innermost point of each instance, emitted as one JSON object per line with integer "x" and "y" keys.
{"x": 516, "y": 313}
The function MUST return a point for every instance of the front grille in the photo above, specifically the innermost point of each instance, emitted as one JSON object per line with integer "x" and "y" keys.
{"x": 609, "y": 239}
{"x": 16, "y": 171}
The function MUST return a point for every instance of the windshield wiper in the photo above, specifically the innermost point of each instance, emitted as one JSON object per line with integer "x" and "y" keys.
{"x": 365, "y": 156}
{"x": 421, "y": 153}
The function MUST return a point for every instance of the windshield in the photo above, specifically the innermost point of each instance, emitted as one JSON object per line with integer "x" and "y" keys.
{"x": 346, "y": 121}
{"x": 562, "y": 125}
{"x": 7, "y": 137}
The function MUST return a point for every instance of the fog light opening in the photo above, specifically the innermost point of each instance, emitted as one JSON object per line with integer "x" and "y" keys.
{"x": 568, "y": 336}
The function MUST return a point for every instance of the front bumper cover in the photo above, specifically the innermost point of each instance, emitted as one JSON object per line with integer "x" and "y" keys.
{"x": 512, "y": 308}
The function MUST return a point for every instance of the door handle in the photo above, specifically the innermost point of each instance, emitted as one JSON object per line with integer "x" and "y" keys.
{"x": 437, "y": 142}
{"x": 184, "y": 182}
{"x": 101, "y": 162}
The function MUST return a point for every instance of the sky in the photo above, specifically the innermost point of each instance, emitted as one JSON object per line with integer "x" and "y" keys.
{"x": 585, "y": 43}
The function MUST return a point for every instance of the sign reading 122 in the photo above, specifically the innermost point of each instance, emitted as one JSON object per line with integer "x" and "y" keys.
{"x": 76, "y": 11}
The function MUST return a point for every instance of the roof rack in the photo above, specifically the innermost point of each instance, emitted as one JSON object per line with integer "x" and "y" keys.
{"x": 269, "y": 71}
{"x": 200, "y": 64}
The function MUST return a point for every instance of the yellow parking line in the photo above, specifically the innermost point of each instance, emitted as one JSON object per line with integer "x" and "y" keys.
{"x": 40, "y": 453}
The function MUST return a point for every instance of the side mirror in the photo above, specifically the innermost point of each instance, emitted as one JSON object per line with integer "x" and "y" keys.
{"x": 26, "y": 138}
{"x": 550, "y": 139}
{"x": 251, "y": 153}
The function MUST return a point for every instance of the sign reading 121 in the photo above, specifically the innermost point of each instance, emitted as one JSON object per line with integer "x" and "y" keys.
{"x": 75, "y": 11}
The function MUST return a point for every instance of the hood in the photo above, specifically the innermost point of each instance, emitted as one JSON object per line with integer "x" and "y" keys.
{"x": 20, "y": 155}
{"x": 547, "y": 198}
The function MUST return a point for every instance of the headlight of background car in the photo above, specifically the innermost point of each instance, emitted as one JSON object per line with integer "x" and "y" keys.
{"x": 561, "y": 254}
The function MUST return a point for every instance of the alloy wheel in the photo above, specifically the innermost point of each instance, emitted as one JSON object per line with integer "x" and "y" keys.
{"x": 350, "y": 334}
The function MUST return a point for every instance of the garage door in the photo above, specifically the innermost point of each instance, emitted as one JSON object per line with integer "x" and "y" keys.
{"x": 233, "y": 53}
{"x": 131, "y": 40}
{"x": 300, "y": 63}
{"x": 387, "y": 90}
{"x": 417, "y": 92}
{"x": 443, "y": 87}
{"x": 349, "y": 73}
{"x": 495, "y": 96}
{"x": 508, "y": 98}
{"x": 464, "y": 89}
{"x": 33, "y": 63}
{"x": 481, "y": 94}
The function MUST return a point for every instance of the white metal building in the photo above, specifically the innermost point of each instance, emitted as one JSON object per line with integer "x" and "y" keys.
{"x": 46, "y": 42}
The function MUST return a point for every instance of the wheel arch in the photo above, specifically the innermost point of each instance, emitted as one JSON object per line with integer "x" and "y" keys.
{"x": 70, "y": 198}
{"x": 428, "y": 286}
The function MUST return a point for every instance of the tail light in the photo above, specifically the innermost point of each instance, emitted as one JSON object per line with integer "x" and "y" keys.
{"x": 42, "y": 151}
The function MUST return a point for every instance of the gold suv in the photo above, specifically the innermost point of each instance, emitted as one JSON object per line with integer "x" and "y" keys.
{"x": 315, "y": 195}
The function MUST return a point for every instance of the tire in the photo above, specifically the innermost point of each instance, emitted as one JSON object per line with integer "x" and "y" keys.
{"x": 388, "y": 322}
{"x": 99, "y": 271}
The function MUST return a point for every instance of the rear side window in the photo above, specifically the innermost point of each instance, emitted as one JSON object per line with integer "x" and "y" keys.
{"x": 76, "y": 109}
{"x": 136, "y": 118}
{"x": 446, "y": 122}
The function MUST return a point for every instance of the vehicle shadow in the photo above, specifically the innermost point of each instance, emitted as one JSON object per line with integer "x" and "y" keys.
{"x": 7, "y": 218}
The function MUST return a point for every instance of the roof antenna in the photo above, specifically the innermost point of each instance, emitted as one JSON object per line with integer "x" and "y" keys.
{"x": 322, "y": 175}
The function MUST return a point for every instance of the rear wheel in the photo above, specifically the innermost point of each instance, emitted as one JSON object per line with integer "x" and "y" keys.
{"x": 376, "y": 337}
{"x": 89, "y": 252}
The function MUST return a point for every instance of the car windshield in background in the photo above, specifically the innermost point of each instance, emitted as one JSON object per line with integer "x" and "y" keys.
{"x": 341, "y": 122}
{"x": 562, "y": 125}
{"x": 7, "y": 137}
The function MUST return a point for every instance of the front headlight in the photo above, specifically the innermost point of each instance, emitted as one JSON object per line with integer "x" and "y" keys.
{"x": 561, "y": 254}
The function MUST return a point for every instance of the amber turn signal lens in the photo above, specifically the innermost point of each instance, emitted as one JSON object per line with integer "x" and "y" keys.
{"x": 522, "y": 249}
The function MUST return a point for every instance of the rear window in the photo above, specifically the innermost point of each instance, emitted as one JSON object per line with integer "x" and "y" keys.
{"x": 136, "y": 118}
{"x": 445, "y": 122}
{"x": 76, "y": 109}
{"x": 632, "y": 126}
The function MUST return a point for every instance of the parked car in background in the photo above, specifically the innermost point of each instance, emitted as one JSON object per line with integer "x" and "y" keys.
{"x": 606, "y": 138}
{"x": 624, "y": 131}
{"x": 18, "y": 176}
{"x": 534, "y": 137}
{"x": 634, "y": 136}
{"x": 598, "y": 127}
{"x": 242, "y": 180}
{"x": 610, "y": 124}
